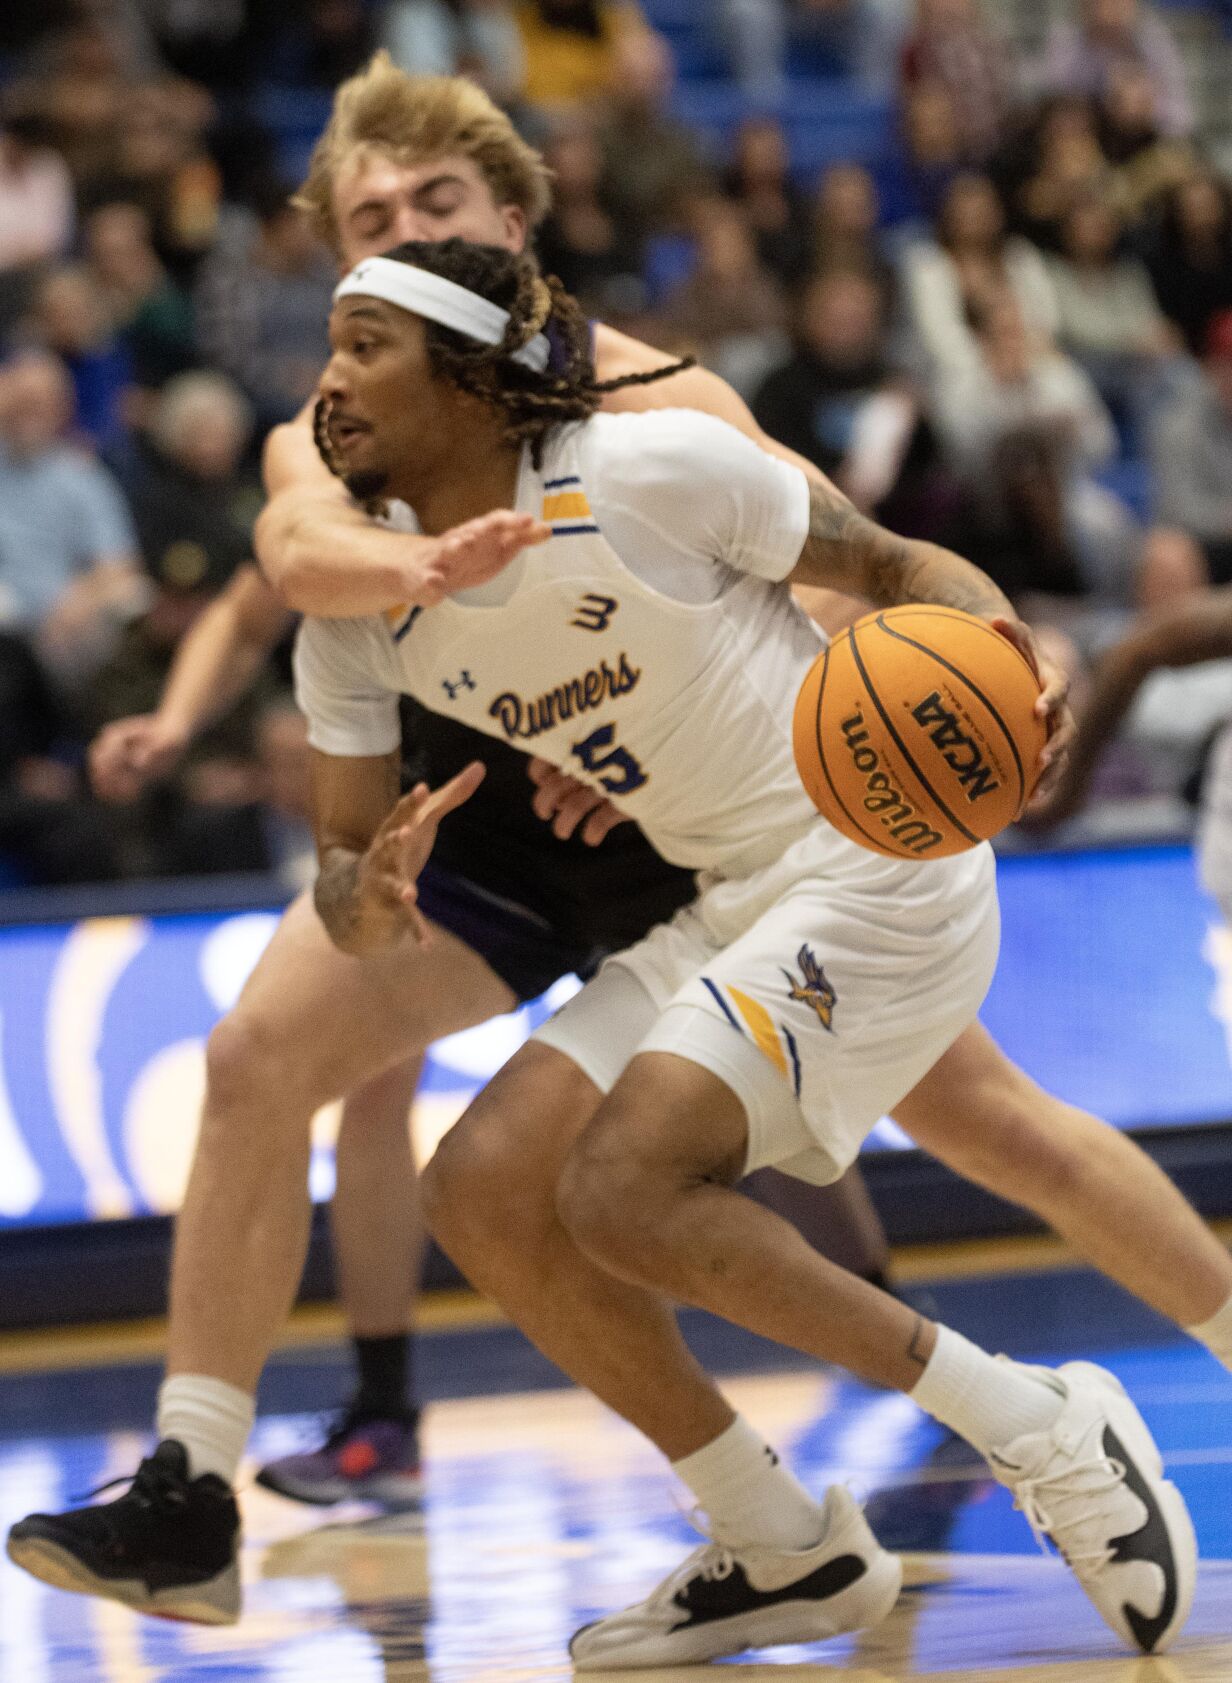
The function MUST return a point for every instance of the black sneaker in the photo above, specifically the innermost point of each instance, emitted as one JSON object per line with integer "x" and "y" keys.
{"x": 168, "y": 1546}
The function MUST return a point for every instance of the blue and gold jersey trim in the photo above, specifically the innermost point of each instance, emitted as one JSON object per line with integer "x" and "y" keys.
{"x": 565, "y": 508}
{"x": 401, "y": 618}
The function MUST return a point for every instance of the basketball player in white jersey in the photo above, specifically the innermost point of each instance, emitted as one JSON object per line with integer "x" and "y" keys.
{"x": 648, "y": 641}
{"x": 406, "y": 157}
{"x": 427, "y": 158}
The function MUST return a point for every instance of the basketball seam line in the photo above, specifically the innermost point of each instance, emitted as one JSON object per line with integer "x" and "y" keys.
{"x": 901, "y": 745}
{"x": 975, "y": 690}
{"x": 963, "y": 616}
{"x": 874, "y": 840}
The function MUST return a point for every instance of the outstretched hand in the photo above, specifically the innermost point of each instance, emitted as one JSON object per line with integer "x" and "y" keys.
{"x": 477, "y": 551}
{"x": 1052, "y": 705}
{"x": 389, "y": 870}
{"x": 129, "y": 754}
{"x": 566, "y": 803}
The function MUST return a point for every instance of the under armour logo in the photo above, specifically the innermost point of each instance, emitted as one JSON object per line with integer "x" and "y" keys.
{"x": 464, "y": 682}
{"x": 594, "y": 612}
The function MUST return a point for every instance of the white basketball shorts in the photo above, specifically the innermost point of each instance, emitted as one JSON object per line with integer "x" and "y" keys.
{"x": 819, "y": 1003}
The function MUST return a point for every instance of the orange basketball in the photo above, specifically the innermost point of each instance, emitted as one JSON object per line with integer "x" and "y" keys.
{"x": 915, "y": 732}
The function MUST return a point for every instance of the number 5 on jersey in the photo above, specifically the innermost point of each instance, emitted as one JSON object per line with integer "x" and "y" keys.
{"x": 615, "y": 768}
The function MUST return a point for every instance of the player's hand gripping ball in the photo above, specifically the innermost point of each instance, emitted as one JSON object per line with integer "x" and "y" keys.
{"x": 915, "y": 732}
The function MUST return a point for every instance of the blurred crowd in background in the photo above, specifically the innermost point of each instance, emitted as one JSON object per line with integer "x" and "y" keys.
{"x": 1003, "y": 323}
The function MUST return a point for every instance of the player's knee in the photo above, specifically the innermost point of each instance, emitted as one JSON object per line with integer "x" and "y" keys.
{"x": 602, "y": 1198}
{"x": 248, "y": 1064}
{"x": 469, "y": 1189}
{"x": 378, "y": 1109}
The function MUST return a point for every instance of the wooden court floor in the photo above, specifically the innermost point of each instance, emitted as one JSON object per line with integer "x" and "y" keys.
{"x": 544, "y": 1511}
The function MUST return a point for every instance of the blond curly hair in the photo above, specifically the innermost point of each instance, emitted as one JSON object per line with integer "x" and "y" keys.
{"x": 414, "y": 119}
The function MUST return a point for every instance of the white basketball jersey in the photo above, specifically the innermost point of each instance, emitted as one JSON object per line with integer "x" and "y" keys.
{"x": 679, "y": 711}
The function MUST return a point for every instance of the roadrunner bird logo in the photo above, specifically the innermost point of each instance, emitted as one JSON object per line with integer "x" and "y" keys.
{"x": 814, "y": 990}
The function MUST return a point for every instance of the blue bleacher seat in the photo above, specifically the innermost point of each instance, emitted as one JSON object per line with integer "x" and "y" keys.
{"x": 826, "y": 120}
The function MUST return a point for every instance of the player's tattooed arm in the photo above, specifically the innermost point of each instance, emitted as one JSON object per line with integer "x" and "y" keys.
{"x": 847, "y": 551}
{"x": 336, "y": 899}
{"x": 372, "y": 847}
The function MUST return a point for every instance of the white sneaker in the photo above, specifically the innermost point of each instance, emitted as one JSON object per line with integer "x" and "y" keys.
{"x": 722, "y": 1601}
{"x": 1093, "y": 1483}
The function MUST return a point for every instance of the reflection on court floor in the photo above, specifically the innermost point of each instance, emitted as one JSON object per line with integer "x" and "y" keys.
{"x": 543, "y": 1511}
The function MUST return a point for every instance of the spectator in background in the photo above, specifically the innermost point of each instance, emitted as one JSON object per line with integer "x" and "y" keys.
{"x": 1189, "y": 254}
{"x": 69, "y": 575}
{"x": 243, "y": 805}
{"x": 152, "y": 315}
{"x": 846, "y": 213}
{"x": 570, "y": 48}
{"x": 932, "y": 142}
{"x": 581, "y": 241}
{"x": 729, "y": 312}
{"x": 1109, "y": 319}
{"x": 1066, "y": 164}
{"x": 476, "y": 38}
{"x": 160, "y": 163}
{"x": 1192, "y": 458}
{"x": 972, "y": 263}
{"x": 1082, "y": 57}
{"x": 1146, "y": 161}
{"x": 758, "y": 181}
{"x": 71, "y": 318}
{"x": 51, "y": 832}
{"x": 193, "y": 513}
{"x": 81, "y": 86}
{"x": 952, "y": 46}
{"x": 836, "y": 400}
{"x": 1025, "y": 430}
{"x": 262, "y": 303}
{"x": 36, "y": 208}
{"x": 653, "y": 165}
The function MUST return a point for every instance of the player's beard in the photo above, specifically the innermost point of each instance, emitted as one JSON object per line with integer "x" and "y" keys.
{"x": 366, "y": 484}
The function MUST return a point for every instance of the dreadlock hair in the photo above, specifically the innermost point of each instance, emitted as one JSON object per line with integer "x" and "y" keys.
{"x": 532, "y": 403}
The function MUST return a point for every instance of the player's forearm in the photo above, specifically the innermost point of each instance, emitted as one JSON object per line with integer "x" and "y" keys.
{"x": 326, "y": 557}
{"x": 846, "y": 551}
{"x": 1117, "y": 681}
{"x": 1188, "y": 634}
{"x": 217, "y": 663}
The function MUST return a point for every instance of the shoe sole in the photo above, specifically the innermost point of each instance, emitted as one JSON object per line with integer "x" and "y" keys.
{"x": 1135, "y": 1434}
{"x": 865, "y": 1604}
{"x": 214, "y": 1602}
{"x": 390, "y": 1489}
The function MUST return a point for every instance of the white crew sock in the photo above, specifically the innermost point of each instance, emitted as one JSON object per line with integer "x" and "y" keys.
{"x": 1216, "y": 1334}
{"x": 210, "y": 1418}
{"x": 748, "y": 1495}
{"x": 986, "y": 1401}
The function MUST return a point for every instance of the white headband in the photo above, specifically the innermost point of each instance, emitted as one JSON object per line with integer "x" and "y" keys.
{"x": 441, "y": 300}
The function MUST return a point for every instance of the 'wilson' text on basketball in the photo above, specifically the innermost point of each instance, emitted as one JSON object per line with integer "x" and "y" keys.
{"x": 881, "y": 798}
